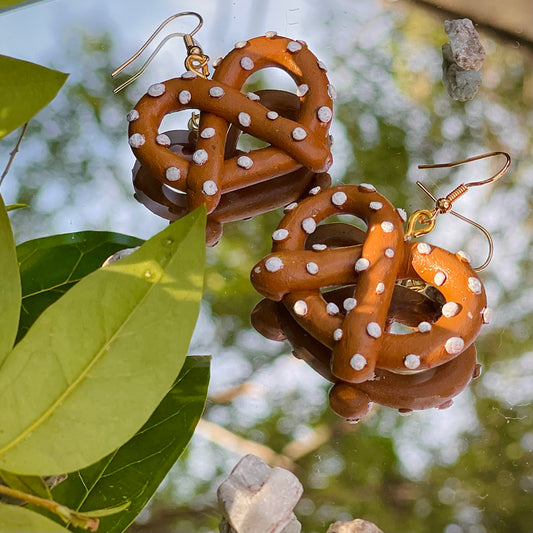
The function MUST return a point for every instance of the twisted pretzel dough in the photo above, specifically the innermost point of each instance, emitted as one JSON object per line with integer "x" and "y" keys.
{"x": 358, "y": 337}
{"x": 235, "y": 205}
{"x": 433, "y": 388}
{"x": 293, "y": 143}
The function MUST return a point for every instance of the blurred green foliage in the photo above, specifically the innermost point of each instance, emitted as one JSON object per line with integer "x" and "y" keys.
{"x": 473, "y": 476}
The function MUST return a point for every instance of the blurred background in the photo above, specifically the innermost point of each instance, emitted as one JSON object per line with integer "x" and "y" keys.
{"x": 467, "y": 469}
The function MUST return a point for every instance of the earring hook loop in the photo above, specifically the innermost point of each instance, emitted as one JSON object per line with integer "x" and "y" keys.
{"x": 192, "y": 46}
{"x": 444, "y": 205}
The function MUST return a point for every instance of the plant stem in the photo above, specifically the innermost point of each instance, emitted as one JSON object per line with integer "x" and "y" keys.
{"x": 66, "y": 514}
{"x": 13, "y": 153}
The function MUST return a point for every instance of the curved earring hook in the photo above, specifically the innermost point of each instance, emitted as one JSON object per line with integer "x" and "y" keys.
{"x": 444, "y": 205}
{"x": 187, "y": 37}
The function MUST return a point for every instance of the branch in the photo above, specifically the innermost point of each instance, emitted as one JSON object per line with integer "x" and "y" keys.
{"x": 242, "y": 446}
{"x": 68, "y": 515}
{"x": 13, "y": 153}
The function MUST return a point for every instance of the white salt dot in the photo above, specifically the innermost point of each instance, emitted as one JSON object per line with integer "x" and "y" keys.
{"x": 217, "y": 61}
{"x": 463, "y": 256}
{"x": 207, "y": 133}
{"x": 362, "y": 264}
{"x": 366, "y": 187}
{"x": 332, "y": 309}
{"x": 254, "y": 97}
{"x": 241, "y": 44}
{"x": 273, "y": 264}
{"x": 450, "y": 309}
{"x": 172, "y": 174}
{"x": 474, "y": 285}
{"x": 349, "y": 304}
{"x": 358, "y": 362}
{"x": 209, "y": 187}
{"x": 308, "y": 225}
{"x": 402, "y": 213}
{"x": 332, "y": 92}
{"x": 486, "y": 315}
{"x": 387, "y": 226}
{"x": 424, "y": 327}
{"x": 280, "y": 234}
{"x": 136, "y": 140}
{"x": 324, "y": 114}
{"x": 376, "y": 206}
{"x": 322, "y": 66}
{"x": 257, "y": 269}
{"x": 299, "y": 134}
{"x": 290, "y": 207}
{"x": 374, "y": 330}
{"x": 244, "y": 162}
{"x": 163, "y": 140}
{"x": 200, "y": 156}
{"x": 190, "y": 75}
{"x": 294, "y": 46}
{"x": 244, "y": 119}
{"x": 389, "y": 252}
{"x": 132, "y": 115}
{"x": 454, "y": 345}
{"x": 314, "y": 191}
{"x": 423, "y": 248}
{"x": 319, "y": 247}
{"x": 302, "y": 90}
{"x": 300, "y": 308}
{"x": 271, "y": 34}
{"x": 272, "y": 115}
{"x": 247, "y": 63}
{"x": 380, "y": 288}
{"x": 337, "y": 334}
{"x": 312, "y": 268}
{"x": 157, "y": 89}
{"x": 339, "y": 198}
{"x": 184, "y": 97}
{"x": 412, "y": 361}
{"x": 470, "y": 315}
{"x": 439, "y": 278}
{"x": 216, "y": 92}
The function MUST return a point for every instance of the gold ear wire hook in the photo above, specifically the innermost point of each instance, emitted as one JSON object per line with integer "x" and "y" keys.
{"x": 193, "y": 48}
{"x": 444, "y": 205}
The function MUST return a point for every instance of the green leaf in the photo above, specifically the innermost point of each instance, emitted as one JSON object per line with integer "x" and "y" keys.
{"x": 9, "y": 285}
{"x": 52, "y": 265}
{"x": 14, "y": 207}
{"x": 30, "y": 484}
{"x": 25, "y": 88}
{"x": 96, "y": 363}
{"x": 16, "y": 519}
{"x": 134, "y": 471}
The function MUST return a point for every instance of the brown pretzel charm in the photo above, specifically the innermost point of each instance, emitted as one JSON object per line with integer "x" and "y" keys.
{"x": 356, "y": 332}
{"x": 433, "y": 388}
{"x": 234, "y": 205}
{"x": 206, "y": 175}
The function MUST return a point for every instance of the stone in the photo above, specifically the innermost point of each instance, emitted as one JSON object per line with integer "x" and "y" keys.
{"x": 462, "y": 85}
{"x": 467, "y": 50}
{"x": 256, "y": 498}
{"x": 355, "y": 526}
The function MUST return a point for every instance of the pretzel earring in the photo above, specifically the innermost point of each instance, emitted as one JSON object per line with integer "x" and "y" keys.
{"x": 206, "y": 165}
{"x": 346, "y": 333}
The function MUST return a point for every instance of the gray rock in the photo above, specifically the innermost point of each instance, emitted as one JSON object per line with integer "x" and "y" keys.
{"x": 258, "y": 499}
{"x": 355, "y": 526}
{"x": 467, "y": 50}
{"x": 462, "y": 85}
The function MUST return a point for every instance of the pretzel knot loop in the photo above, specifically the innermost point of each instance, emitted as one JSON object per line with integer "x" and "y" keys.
{"x": 207, "y": 175}
{"x": 308, "y": 261}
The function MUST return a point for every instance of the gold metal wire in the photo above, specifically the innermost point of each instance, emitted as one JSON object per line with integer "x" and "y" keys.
{"x": 198, "y": 64}
{"x": 426, "y": 219}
